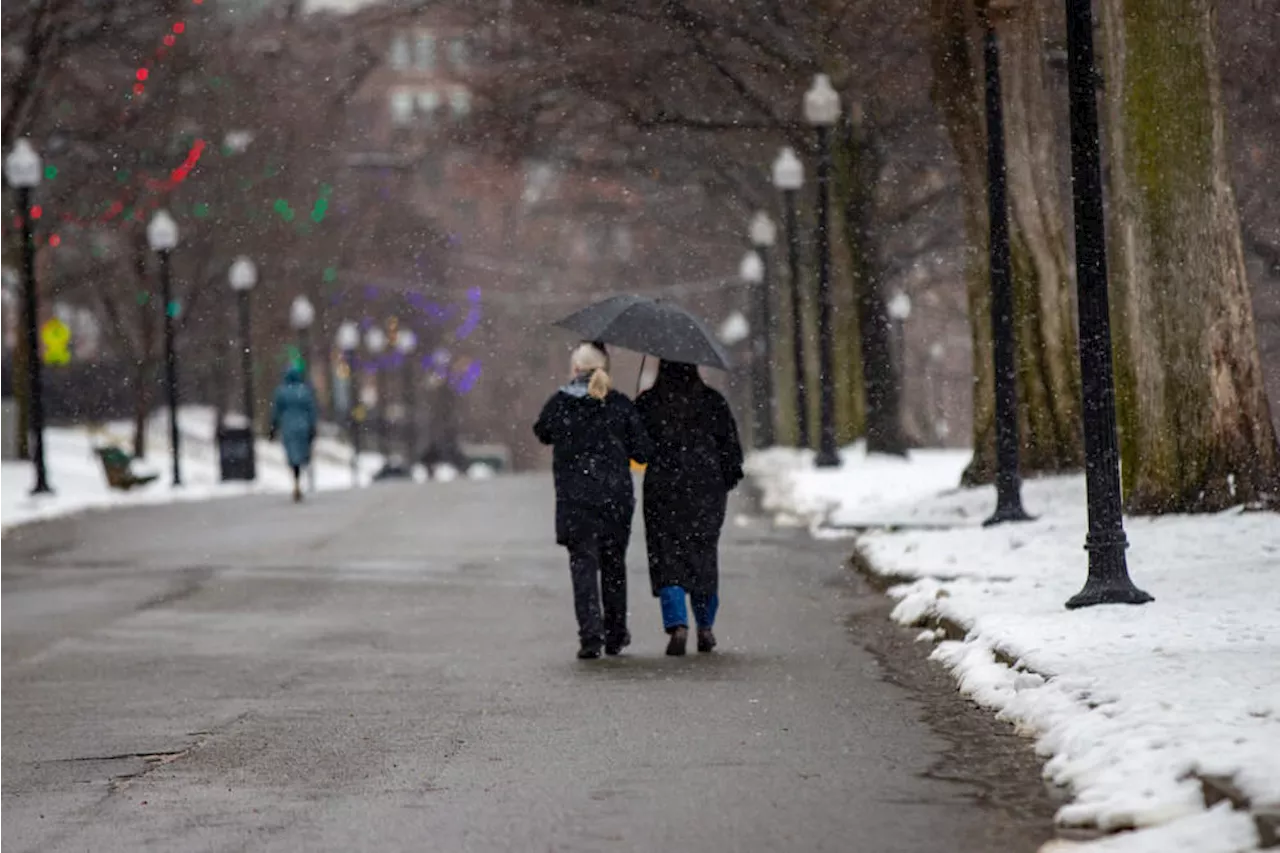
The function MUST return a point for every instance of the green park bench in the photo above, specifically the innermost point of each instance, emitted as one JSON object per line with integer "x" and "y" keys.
{"x": 118, "y": 467}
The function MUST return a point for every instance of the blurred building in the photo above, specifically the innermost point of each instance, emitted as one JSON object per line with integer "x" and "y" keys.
{"x": 532, "y": 239}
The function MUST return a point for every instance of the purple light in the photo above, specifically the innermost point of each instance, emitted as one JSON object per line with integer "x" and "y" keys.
{"x": 467, "y": 380}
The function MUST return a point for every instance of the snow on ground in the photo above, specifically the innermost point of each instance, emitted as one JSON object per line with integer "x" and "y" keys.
{"x": 1124, "y": 702}
{"x": 79, "y": 484}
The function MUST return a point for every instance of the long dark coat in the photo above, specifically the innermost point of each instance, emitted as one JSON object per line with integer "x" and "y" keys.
{"x": 697, "y": 461}
{"x": 594, "y": 442}
{"x": 294, "y": 416}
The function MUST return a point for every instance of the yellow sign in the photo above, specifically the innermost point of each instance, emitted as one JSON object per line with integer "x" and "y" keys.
{"x": 56, "y": 337}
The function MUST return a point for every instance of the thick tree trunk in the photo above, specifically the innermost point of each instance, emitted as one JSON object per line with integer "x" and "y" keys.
{"x": 1195, "y": 427}
{"x": 857, "y": 172}
{"x": 851, "y": 411}
{"x": 1048, "y": 372}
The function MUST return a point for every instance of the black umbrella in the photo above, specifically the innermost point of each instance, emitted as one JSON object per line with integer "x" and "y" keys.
{"x": 650, "y": 326}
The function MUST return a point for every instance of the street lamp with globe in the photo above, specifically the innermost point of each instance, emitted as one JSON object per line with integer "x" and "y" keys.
{"x": 162, "y": 236}
{"x": 899, "y": 309}
{"x": 243, "y": 276}
{"x": 764, "y": 233}
{"x": 375, "y": 341}
{"x": 301, "y": 315}
{"x": 348, "y": 341}
{"x": 788, "y": 178}
{"x": 751, "y": 272}
{"x": 822, "y": 110}
{"x": 406, "y": 343}
{"x": 22, "y": 171}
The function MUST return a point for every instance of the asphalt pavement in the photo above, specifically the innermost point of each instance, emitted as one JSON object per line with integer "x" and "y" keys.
{"x": 393, "y": 669}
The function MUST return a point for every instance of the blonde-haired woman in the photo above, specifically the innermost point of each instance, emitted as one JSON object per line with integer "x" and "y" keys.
{"x": 595, "y": 433}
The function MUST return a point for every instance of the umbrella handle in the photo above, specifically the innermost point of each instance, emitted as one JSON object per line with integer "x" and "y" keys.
{"x": 640, "y": 375}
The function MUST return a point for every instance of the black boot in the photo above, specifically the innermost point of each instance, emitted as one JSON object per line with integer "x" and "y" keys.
{"x": 615, "y": 645}
{"x": 706, "y": 640}
{"x": 679, "y": 640}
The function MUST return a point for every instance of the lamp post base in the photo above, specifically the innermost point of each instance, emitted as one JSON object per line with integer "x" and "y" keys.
{"x": 41, "y": 489}
{"x": 827, "y": 459}
{"x": 1116, "y": 591}
{"x": 1008, "y": 511}
{"x": 1108, "y": 581}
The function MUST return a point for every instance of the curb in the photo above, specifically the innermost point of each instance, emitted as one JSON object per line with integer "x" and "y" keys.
{"x": 950, "y": 629}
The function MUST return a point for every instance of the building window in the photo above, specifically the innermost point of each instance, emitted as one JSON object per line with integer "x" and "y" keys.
{"x": 428, "y": 103}
{"x": 424, "y": 55}
{"x": 401, "y": 103}
{"x": 400, "y": 53}
{"x": 459, "y": 54}
{"x": 460, "y": 101}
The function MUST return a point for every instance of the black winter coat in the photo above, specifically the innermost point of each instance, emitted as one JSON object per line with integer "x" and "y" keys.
{"x": 594, "y": 441}
{"x": 697, "y": 460}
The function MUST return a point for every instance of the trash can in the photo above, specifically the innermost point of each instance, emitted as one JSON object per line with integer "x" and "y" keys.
{"x": 235, "y": 453}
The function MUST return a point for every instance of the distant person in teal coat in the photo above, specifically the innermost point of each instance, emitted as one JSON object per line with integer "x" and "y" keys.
{"x": 293, "y": 419}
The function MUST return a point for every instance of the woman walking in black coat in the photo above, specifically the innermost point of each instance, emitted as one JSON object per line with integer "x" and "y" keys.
{"x": 697, "y": 460}
{"x": 595, "y": 432}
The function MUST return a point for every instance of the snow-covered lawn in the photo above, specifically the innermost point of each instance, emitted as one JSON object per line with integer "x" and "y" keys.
{"x": 1128, "y": 704}
{"x": 79, "y": 484}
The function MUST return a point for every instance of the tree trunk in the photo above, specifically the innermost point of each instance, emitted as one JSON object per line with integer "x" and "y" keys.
{"x": 1195, "y": 426}
{"x": 857, "y": 171}
{"x": 1048, "y": 371}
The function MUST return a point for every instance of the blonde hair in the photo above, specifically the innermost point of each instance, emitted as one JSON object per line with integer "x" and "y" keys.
{"x": 586, "y": 358}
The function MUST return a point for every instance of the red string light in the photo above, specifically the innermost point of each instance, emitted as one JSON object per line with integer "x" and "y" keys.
{"x": 36, "y": 211}
{"x": 154, "y": 186}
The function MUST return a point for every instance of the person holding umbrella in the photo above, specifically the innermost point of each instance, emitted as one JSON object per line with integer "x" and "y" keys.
{"x": 595, "y": 432}
{"x": 697, "y": 461}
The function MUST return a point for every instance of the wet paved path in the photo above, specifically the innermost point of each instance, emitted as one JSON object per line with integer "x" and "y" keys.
{"x": 393, "y": 669}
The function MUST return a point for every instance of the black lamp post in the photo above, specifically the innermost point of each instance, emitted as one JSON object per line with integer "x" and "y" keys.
{"x": 822, "y": 109}
{"x": 301, "y": 315}
{"x": 899, "y": 309}
{"x": 751, "y": 271}
{"x": 1108, "y": 581}
{"x": 243, "y": 276}
{"x": 788, "y": 176}
{"x": 348, "y": 341}
{"x": 22, "y": 169}
{"x": 763, "y": 235}
{"x": 162, "y": 235}
{"x": 1008, "y": 478}
{"x": 375, "y": 341}
{"x": 406, "y": 342}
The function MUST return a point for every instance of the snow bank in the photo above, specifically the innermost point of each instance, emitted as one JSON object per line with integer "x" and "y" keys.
{"x": 1126, "y": 703}
{"x": 79, "y": 484}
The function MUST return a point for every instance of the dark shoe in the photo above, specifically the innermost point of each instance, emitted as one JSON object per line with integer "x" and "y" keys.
{"x": 679, "y": 640}
{"x": 615, "y": 645}
{"x": 706, "y": 640}
{"x": 589, "y": 652}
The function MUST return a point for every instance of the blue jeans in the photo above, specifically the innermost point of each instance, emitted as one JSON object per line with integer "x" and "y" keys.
{"x": 674, "y": 614}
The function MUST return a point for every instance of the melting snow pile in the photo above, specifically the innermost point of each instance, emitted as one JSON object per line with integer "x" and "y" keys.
{"x": 1130, "y": 705}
